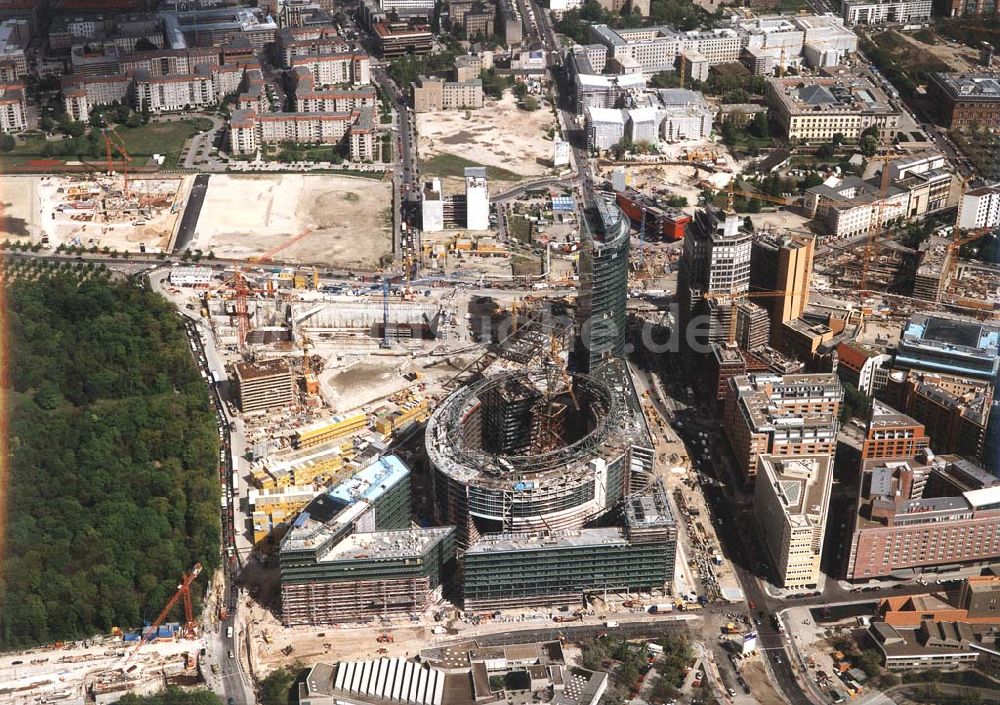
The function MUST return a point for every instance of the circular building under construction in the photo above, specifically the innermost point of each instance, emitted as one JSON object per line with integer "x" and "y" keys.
{"x": 533, "y": 450}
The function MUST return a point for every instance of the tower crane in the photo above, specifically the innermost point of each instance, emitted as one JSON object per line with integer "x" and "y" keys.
{"x": 119, "y": 145}
{"x": 238, "y": 283}
{"x": 190, "y": 626}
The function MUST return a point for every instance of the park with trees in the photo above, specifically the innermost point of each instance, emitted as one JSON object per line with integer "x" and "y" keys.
{"x": 113, "y": 490}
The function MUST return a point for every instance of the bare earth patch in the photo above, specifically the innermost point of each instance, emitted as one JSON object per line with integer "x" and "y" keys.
{"x": 348, "y": 220}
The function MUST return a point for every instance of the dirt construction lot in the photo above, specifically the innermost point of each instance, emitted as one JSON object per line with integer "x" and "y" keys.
{"x": 19, "y": 208}
{"x": 497, "y": 135}
{"x": 348, "y": 220}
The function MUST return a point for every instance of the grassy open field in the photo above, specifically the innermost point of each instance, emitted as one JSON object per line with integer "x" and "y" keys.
{"x": 166, "y": 138}
{"x": 161, "y": 137}
{"x": 450, "y": 165}
{"x": 912, "y": 57}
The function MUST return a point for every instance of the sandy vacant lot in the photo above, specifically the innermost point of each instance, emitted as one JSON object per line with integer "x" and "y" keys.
{"x": 349, "y": 220}
{"x": 499, "y": 134}
{"x": 19, "y": 207}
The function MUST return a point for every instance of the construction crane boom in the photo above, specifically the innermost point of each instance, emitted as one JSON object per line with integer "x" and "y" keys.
{"x": 183, "y": 593}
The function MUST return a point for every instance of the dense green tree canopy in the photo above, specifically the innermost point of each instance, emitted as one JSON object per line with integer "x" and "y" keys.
{"x": 113, "y": 491}
{"x": 173, "y": 696}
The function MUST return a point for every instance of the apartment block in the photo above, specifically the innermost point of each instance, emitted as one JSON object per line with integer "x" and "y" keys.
{"x": 475, "y": 17}
{"x": 80, "y": 94}
{"x": 13, "y": 115}
{"x": 891, "y": 434}
{"x": 920, "y": 513}
{"x": 865, "y": 368}
{"x": 14, "y": 37}
{"x": 814, "y": 109}
{"x": 310, "y": 99}
{"x": 248, "y": 130}
{"x": 954, "y": 410}
{"x": 781, "y": 416}
{"x": 264, "y": 386}
{"x": 175, "y": 93}
{"x": 435, "y": 94}
{"x": 966, "y": 99}
{"x": 335, "y": 69}
{"x": 980, "y": 208}
{"x": 791, "y": 504}
{"x": 881, "y": 12}
{"x": 295, "y": 42}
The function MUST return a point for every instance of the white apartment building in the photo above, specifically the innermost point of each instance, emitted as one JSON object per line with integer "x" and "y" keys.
{"x": 980, "y": 208}
{"x": 13, "y": 117}
{"x": 851, "y": 206}
{"x": 248, "y": 130}
{"x": 880, "y": 12}
{"x": 432, "y": 206}
{"x": 173, "y": 93}
{"x": 816, "y": 109}
{"x": 477, "y": 198}
{"x": 81, "y": 94}
{"x": 331, "y": 69}
{"x": 306, "y": 41}
{"x": 792, "y": 504}
{"x": 605, "y": 128}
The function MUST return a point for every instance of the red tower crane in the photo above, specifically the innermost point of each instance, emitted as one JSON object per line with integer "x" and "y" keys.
{"x": 241, "y": 289}
{"x": 119, "y": 146}
{"x": 190, "y": 626}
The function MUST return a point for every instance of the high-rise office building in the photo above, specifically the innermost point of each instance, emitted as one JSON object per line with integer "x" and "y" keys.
{"x": 264, "y": 386}
{"x": 514, "y": 570}
{"x": 477, "y": 198}
{"x": 782, "y": 263}
{"x": 753, "y": 327}
{"x": 781, "y": 415}
{"x": 714, "y": 271}
{"x": 791, "y": 503}
{"x": 891, "y": 434}
{"x": 601, "y": 322}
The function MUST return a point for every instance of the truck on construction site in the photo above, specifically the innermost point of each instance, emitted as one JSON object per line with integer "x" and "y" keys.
{"x": 661, "y": 607}
{"x": 384, "y": 639}
{"x": 568, "y": 618}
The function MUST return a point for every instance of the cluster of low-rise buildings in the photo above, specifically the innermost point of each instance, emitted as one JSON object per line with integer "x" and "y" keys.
{"x": 907, "y": 188}
{"x": 669, "y": 114}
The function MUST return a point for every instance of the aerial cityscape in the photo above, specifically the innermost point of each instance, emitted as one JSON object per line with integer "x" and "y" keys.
{"x": 499, "y": 352}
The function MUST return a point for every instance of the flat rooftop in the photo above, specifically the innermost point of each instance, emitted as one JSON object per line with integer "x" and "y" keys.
{"x": 581, "y": 538}
{"x": 257, "y": 370}
{"x": 816, "y": 95}
{"x": 386, "y": 545}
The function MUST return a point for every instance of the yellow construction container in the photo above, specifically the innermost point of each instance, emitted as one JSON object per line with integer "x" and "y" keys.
{"x": 328, "y": 430}
{"x": 389, "y": 422}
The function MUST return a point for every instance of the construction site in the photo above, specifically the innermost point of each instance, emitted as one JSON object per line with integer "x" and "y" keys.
{"x": 120, "y": 212}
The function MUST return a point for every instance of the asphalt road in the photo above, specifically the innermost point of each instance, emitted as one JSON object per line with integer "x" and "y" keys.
{"x": 629, "y": 630}
{"x": 189, "y": 221}
{"x": 222, "y": 650}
